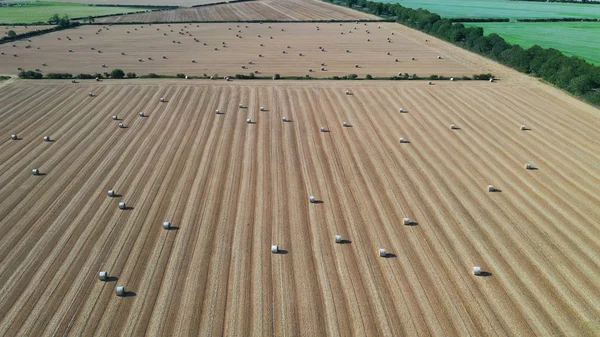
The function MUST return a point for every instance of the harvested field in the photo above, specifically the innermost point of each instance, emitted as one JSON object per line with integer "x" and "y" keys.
{"x": 233, "y": 189}
{"x": 21, "y": 29}
{"x": 175, "y": 52}
{"x": 278, "y": 10}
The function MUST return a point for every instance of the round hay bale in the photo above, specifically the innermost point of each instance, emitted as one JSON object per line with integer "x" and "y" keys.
{"x": 46, "y": 138}
{"x": 382, "y": 252}
{"x": 402, "y": 140}
{"x": 528, "y": 166}
{"x": 345, "y": 124}
{"x": 122, "y": 125}
{"x": 122, "y": 205}
{"x": 284, "y": 119}
{"x": 249, "y": 120}
{"x": 312, "y": 199}
{"x": 103, "y": 276}
{"x": 115, "y": 117}
{"x": 476, "y": 270}
{"x": 111, "y": 193}
{"x": 166, "y": 225}
{"x": 406, "y": 221}
{"x": 491, "y": 188}
{"x": 338, "y": 239}
{"x": 120, "y": 290}
{"x": 14, "y": 137}
{"x": 35, "y": 172}
{"x": 274, "y": 249}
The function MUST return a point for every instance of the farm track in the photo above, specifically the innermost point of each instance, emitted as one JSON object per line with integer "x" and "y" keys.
{"x": 233, "y": 189}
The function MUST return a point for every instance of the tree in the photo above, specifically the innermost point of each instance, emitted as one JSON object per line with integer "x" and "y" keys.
{"x": 90, "y": 19}
{"x": 351, "y": 3}
{"x": 54, "y": 19}
{"x": 117, "y": 73}
{"x": 64, "y": 22}
{"x": 11, "y": 33}
{"x": 131, "y": 75}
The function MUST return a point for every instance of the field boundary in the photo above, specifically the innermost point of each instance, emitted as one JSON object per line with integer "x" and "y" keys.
{"x": 34, "y": 75}
{"x": 582, "y": 81}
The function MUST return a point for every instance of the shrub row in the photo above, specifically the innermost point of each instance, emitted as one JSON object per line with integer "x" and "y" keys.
{"x": 559, "y": 20}
{"x": 588, "y": 2}
{"x": 27, "y": 35}
{"x": 119, "y": 74}
{"x": 220, "y": 3}
{"x": 572, "y": 74}
{"x": 238, "y": 22}
{"x": 479, "y": 20}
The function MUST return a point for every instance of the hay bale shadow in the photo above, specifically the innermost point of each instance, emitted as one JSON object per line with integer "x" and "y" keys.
{"x": 390, "y": 256}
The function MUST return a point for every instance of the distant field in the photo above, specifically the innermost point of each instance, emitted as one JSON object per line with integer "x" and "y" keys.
{"x": 572, "y": 38}
{"x": 42, "y": 11}
{"x": 280, "y": 10}
{"x": 184, "y": 3}
{"x": 502, "y": 9}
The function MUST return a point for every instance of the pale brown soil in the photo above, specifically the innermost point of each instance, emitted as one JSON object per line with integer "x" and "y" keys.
{"x": 148, "y": 41}
{"x": 279, "y": 10}
{"x": 233, "y": 189}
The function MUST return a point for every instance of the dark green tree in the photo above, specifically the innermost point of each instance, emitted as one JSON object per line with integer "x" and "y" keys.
{"x": 11, "y": 33}
{"x": 117, "y": 73}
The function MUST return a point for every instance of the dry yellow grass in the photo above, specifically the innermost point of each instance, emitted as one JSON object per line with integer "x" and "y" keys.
{"x": 342, "y": 52}
{"x": 233, "y": 189}
{"x": 279, "y": 10}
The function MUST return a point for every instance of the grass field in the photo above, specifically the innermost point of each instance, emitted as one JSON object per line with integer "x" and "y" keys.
{"x": 32, "y": 12}
{"x": 572, "y": 38}
{"x": 502, "y": 9}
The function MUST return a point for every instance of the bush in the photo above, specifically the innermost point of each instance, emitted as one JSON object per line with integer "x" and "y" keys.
{"x": 151, "y": 75}
{"x": 117, "y": 74}
{"x": 276, "y": 77}
{"x": 180, "y": 75}
{"x": 29, "y": 74}
{"x": 369, "y": 77}
{"x": 11, "y": 33}
{"x": 59, "y": 76}
{"x": 482, "y": 76}
{"x": 131, "y": 75}
{"x": 85, "y": 76}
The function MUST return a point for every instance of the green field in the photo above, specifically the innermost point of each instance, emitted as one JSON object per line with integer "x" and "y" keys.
{"x": 502, "y": 9}
{"x": 31, "y": 12}
{"x": 581, "y": 39}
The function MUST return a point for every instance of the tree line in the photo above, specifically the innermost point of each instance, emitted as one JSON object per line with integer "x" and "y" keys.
{"x": 569, "y": 73}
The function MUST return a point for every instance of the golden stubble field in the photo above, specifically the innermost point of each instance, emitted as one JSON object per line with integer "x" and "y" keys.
{"x": 279, "y": 10}
{"x": 218, "y": 49}
{"x": 233, "y": 189}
